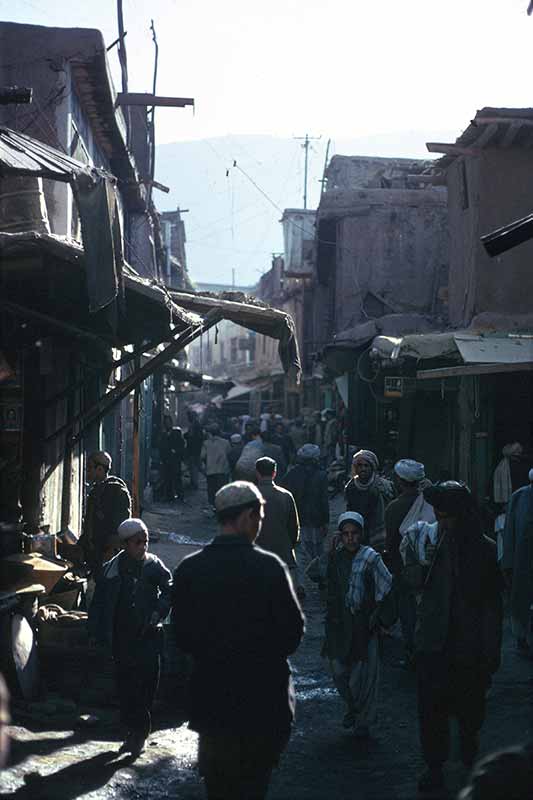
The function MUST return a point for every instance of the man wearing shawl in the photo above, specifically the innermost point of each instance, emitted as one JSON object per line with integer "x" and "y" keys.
{"x": 452, "y": 568}
{"x": 401, "y": 514}
{"x": 358, "y": 587}
{"x": 517, "y": 562}
{"x": 365, "y": 493}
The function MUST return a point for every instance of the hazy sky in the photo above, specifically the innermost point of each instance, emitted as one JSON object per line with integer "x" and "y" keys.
{"x": 379, "y": 77}
{"x": 342, "y": 68}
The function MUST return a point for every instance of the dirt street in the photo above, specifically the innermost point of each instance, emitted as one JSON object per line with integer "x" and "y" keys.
{"x": 322, "y": 761}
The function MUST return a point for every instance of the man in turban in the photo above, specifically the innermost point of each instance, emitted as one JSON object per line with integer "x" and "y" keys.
{"x": 453, "y": 570}
{"x": 406, "y": 510}
{"x": 517, "y": 562}
{"x": 365, "y": 494}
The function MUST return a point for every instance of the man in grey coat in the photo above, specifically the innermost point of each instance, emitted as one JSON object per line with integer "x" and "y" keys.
{"x": 280, "y": 531}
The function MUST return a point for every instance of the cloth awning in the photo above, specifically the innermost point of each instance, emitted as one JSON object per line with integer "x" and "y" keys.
{"x": 261, "y": 319}
{"x": 147, "y": 314}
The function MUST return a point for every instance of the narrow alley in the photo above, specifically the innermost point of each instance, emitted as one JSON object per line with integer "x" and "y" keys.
{"x": 65, "y": 761}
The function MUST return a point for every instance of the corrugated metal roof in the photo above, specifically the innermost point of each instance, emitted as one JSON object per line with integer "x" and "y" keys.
{"x": 24, "y": 155}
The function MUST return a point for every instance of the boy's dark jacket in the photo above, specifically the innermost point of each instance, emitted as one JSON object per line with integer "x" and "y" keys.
{"x": 153, "y": 594}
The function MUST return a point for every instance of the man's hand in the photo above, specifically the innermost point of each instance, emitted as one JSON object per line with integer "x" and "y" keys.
{"x": 154, "y": 619}
{"x": 429, "y": 551}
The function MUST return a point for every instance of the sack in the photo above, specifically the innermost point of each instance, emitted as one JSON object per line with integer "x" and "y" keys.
{"x": 250, "y": 453}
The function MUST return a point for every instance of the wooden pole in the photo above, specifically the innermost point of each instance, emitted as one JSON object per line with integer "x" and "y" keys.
{"x": 124, "y": 388}
{"x": 136, "y": 447}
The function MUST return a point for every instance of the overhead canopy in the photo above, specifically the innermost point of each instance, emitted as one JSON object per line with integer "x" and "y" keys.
{"x": 261, "y": 319}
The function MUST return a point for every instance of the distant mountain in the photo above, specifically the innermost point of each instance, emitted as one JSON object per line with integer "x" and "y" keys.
{"x": 235, "y": 188}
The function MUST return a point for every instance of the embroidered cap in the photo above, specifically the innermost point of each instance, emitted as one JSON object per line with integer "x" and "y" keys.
{"x": 131, "y": 527}
{"x": 238, "y": 493}
{"x": 351, "y": 516}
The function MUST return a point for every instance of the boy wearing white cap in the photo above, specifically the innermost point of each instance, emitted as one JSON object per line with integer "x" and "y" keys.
{"x": 359, "y": 600}
{"x": 131, "y": 599}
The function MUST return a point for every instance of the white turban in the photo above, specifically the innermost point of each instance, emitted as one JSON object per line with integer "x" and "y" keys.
{"x": 131, "y": 527}
{"x": 409, "y": 470}
{"x": 351, "y": 516}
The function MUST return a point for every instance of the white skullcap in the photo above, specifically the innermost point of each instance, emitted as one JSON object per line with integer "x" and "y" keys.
{"x": 130, "y": 527}
{"x": 409, "y": 470}
{"x": 531, "y": 475}
{"x": 238, "y": 493}
{"x": 309, "y": 452}
{"x": 235, "y": 438}
{"x": 351, "y": 516}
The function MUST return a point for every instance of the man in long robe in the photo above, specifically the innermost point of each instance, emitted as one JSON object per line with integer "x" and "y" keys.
{"x": 517, "y": 562}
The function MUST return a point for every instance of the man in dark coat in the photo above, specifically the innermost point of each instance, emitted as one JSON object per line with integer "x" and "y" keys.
{"x": 453, "y": 569}
{"x": 235, "y": 612}
{"x": 517, "y": 561}
{"x": 108, "y": 504}
{"x": 171, "y": 454}
{"x": 131, "y": 599}
{"x": 194, "y": 439}
{"x": 308, "y": 484}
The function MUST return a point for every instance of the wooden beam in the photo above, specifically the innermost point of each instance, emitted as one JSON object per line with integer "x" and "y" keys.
{"x": 473, "y": 369}
{"x": 451, "y": 149}
{"x": 437, "y": 180}
{"x": 511, "y": 133}
{"x": 503, "y": 121}
{"x": 145, "y": 99}
{"x": 486, "y": 135}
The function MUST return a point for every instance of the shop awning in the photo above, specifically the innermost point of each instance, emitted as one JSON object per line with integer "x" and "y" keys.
{"x": 261, "y": 319}
{"x": 486, "y": 355}
{"x": 467, "y": 353}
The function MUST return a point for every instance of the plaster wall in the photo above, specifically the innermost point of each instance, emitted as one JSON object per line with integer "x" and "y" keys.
{"x": 390, "y": 258}
{"x": 499, "y": 185}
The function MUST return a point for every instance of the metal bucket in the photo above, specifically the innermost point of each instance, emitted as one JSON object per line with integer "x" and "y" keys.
{"x": 23, "y": 205}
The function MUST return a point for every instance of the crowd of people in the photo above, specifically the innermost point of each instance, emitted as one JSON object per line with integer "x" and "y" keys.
{"x": 405, "y": 550}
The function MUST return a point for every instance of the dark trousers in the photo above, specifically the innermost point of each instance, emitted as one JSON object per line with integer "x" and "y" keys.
{"x": 214, "y": 483}
{"x": 238, "y": 767}
{"x": 172, "y": 482}
{"x": 407, "y": 612}
{"x": 447, "y": 689}
{"x": 137, "y": 670}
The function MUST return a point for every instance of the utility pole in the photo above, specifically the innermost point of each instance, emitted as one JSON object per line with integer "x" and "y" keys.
{"x": 322, "y": 181}
{"x": 306, "y": 140}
